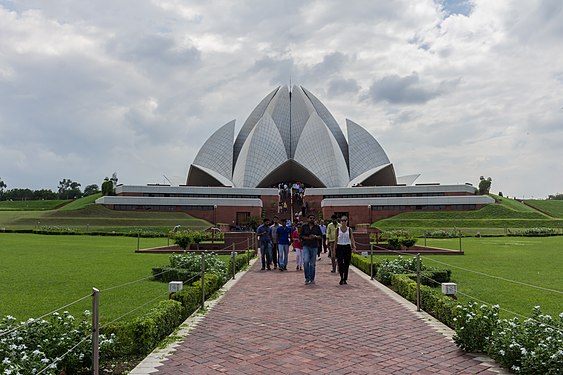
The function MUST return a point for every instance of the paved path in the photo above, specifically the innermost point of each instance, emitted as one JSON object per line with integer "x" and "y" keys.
{"x": 271, "y": 323}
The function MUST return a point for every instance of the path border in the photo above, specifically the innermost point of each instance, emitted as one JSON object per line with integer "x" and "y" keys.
{"x": 159, "y": 355}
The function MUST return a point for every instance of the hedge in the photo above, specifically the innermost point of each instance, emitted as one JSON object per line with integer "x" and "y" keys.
{"x": 167, "y": 274}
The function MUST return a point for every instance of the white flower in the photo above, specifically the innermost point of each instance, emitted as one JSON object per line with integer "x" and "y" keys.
{"x": 501, "y": 352}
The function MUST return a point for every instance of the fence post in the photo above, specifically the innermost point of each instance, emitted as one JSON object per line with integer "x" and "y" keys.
{"x": 233, "y": 257}
{"x": 418, "y": 282}
{"x": 424, "y": 238}
{"x": 371, "y": 261}
{"x": 95, "y": 331}
{"x": 203, "y": 280}
{"x": 138, "y": 239}
{"x": 247, "y": 250}
{"x": 460, "y": 242}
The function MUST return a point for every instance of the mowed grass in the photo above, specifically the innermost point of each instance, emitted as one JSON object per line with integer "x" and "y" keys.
{"x": 530, "y": 260}
{"x": 97, "y": 217}
{"x": 500, "y": 216}
{"x": 31, "y": 205}
{"x": 81, "y": 202}
{"x": 41, "y": 273}
{"x": 552, "y": 207}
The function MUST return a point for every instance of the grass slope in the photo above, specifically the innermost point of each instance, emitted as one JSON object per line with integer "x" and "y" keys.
{"x": 506, "y": 214}
{"x": 535, "y": 261}
{"x": 42, "y": 273}
{"x": 97, "y": 217}
{"x": 550, "y": 206}
{"x": 80, "y": 203}
{"x": 31, "y": 205}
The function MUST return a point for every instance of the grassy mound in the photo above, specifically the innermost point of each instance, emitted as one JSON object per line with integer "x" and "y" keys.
{"x": 31, "y": 205}
{"x": 80, "y": 203}
{"x": 551, "y": 207}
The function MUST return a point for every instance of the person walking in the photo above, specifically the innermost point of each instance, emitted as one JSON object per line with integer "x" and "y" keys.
{"x": 331, "y": 238}
{"x": 274, "y": 236}
{"x": 298, "y": 248}
{"x": 344, "y": 246}
{"x": 310, "y": 235}
{"x": 322, "y": 246}
{"x": 263, "y": 232}
{"x": 284, "y": 235}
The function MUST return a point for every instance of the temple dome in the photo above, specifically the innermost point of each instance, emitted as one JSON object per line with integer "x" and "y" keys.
{"x": 291, "y": 136}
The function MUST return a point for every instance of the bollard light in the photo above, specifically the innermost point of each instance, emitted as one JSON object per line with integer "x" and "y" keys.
{"x": 175, "y": 286}
{"x": 449, "y": 289}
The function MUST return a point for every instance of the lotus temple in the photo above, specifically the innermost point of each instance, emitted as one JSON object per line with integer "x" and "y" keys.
{"x": 291, "y": 158}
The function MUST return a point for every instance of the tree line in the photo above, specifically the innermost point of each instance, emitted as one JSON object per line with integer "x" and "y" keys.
{"x": 67, "y": 189}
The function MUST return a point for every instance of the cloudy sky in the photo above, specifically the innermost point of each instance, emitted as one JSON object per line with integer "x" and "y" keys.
{"x": 451, "y": 89}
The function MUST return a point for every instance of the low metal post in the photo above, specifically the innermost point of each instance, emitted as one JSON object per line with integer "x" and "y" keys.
{"x": 425, "y": 239}
{"x": 418, "y": 282}
{"x": 233, "y": 257}
{"x": 248, "y": 251}
{"x": 203, "y": 280}
{"x": 460, "y": 242}
{"x": 95, "y": 331}
{"x": 371, "y": 261}
{"x": 138, "y": 239}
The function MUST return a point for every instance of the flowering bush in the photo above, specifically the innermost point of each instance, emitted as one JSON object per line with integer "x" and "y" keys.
{"x": 29, "y": 347}
{"x": 534, "y": 346}
{"x": 399, "y": 265}
{"x": 534, "y": 232}
{"x": 454, "y": 233}
{"x": 192, "y": 263}
{"x": 474, "y": 325}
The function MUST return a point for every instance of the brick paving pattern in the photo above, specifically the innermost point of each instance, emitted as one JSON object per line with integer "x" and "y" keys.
{"x": 270, "y": 322}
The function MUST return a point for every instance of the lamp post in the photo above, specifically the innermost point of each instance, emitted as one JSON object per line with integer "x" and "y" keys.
{"x": 369, "y": 213}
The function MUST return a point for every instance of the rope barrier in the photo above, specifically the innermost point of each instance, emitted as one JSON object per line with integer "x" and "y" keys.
{"x": 135, "y": 309}
{"x": 32, "y": 320}
{"x": 498, "y": 277}
{"x": 133, "y": 282}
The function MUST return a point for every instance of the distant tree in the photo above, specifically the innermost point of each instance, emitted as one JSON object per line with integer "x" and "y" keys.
{"x": 69, "y": 189}
{"x": 2, "y": 187}
{"x": 107, "y": 187}
{"x": 18, "y": 194}
{"x": 500, "y": 194}
{"x": 91, "y": 189}
{"x": 44, "y": 194}
{"x": 557, "y": 196}
{"x": 485, "y": 185}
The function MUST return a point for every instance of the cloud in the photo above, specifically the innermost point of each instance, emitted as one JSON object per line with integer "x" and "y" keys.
{"x": 406, "y": 90}
{"x": 451, "y": 89}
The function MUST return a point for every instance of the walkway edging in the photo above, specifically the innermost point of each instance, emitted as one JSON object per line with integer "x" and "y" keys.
{"x": 157, "y": 356}
{"x": 431, "y": 321}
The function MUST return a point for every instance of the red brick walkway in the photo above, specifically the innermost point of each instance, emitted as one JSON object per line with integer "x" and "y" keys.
{"x": 271, "y": 323}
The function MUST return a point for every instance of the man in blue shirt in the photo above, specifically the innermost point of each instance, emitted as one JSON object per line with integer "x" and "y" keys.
{"x": 265, "y": 239}
{"x": 284, "y": 235}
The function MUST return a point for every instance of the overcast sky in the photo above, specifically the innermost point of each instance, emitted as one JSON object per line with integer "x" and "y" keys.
{"x": 450, "y": 89}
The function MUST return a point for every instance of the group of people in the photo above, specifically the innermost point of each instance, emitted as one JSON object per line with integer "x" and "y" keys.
{"x": 308, "y": 241}
{"x": 291, "y": 195}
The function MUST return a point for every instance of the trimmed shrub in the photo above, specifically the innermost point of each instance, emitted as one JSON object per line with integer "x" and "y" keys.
{"x": 363, "y": 263}
{"x": 474, "y": 325}
{"x": 534, "y": 232}
{"x": 167, "y": 274}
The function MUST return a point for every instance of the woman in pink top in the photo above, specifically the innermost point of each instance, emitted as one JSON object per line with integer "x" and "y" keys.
{"x": 298, "y": 247}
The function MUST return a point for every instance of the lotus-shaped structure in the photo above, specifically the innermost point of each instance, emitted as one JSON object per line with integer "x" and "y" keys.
{"x": 291, "y": 136}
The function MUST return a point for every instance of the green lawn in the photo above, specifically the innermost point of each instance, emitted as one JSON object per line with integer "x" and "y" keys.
{"x": 31, "y": 205}
{"x": 551, "y": 206}
{"x": 41, "y": 273}
{"x": 530, "y": 260}
{"x": 97, "y": 217}
{"x": 80, "y": 203}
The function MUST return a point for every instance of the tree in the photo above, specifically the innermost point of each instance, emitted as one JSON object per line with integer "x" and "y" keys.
{"x": 69, "y": 189}
{"x": 2, "y": 187}
{"x": 484, "y": 185}
{"x": 107, "y": 187}
{"x": 557, "y": 196}
{"x": 91, "y": 189}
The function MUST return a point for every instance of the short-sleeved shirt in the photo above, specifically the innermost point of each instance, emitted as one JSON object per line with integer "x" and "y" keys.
{"x": 284, "y": 233}
{"x": 306, "y": 231}
{"x": 331, "y": 232}
{"x": 274, "y": 233}
{"x": 264, "y": 232}
{"x": 297, "y": 244}
{"x": 323, "y": 229}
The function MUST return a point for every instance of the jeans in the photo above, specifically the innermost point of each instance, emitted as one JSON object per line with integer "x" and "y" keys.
{"x": 309, "y": 262}
{"x": 266, "y": 253}
{"x": 283, "y": 254}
